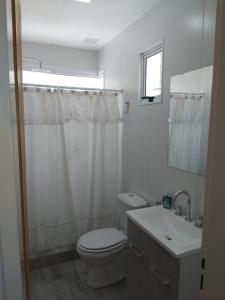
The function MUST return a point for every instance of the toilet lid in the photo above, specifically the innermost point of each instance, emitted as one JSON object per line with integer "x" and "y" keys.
{"x": 102, "y": 239}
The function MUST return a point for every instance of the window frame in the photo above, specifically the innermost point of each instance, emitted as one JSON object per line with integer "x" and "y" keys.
{"x": 144, "y": 55}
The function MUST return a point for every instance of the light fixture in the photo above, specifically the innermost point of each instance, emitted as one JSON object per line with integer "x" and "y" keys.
{"x": 85, "y": 1}
{"x": 91, "y": 41}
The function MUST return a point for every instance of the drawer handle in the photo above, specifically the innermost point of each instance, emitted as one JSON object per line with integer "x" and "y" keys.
{"x": 135, "y": 250}
{"x": 158, "y": 276}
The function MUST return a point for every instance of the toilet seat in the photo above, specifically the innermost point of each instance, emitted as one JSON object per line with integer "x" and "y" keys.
{"x": 102, "y": 240}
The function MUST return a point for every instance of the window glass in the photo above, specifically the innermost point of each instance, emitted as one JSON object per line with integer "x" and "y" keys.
{"x": 151, "y": 75}
{"x": 41, "y": 78}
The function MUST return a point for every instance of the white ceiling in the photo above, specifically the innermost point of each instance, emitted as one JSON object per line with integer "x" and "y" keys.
{"x": 69, "y": 23}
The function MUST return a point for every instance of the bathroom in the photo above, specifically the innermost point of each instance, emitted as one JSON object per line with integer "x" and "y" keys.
{"x": 116, "y": 101}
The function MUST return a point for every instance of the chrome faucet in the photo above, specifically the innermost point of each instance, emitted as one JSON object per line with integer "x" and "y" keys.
{"x": 188, "y": 218}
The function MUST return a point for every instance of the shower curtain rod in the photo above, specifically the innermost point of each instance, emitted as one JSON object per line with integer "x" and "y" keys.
{"x": 71, "y": 88}
{"x": 187, "y": 94}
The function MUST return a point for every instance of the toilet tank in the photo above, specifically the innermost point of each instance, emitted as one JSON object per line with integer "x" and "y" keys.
{"x": 128, "y": 201}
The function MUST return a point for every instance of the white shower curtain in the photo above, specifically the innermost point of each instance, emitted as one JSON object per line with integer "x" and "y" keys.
{"x": 185, "y": 127}
{"x": 73, "y": 151}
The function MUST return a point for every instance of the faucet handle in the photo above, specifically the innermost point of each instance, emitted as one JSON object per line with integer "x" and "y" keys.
{"x": 199, "y": 221}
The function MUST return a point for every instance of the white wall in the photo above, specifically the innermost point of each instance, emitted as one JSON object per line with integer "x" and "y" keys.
{"x": 191, "y": 82}
{"x": 63, "y": 59}
{"x": 9, "y": 229}
{"x": 179, "y": 23}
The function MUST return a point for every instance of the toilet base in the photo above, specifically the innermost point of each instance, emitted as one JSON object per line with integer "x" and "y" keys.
{"x": 109, "y": 274}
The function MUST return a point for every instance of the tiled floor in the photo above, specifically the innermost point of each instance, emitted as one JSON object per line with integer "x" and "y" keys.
{"x": 66, "y": 281}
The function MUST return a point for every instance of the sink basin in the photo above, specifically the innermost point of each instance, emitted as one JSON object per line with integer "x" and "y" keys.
{"x": 173, "y": 232}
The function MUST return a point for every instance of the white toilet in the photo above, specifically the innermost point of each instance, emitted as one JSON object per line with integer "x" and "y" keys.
{"x": 105, "y": 250}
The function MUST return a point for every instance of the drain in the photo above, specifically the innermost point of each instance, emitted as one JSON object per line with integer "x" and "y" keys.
{"x": 168, "y": 237}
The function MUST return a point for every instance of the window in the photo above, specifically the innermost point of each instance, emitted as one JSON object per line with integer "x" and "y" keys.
{"x": 151, "y": 75}
{"x": 42, "y": 78}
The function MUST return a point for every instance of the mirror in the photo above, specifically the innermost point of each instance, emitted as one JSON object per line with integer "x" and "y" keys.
{"x": 190, "y": 101}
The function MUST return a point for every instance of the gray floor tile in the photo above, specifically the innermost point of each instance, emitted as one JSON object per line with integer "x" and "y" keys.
{"x": 41, "y": 276}
{"x": 67, "y": 281}
{"x": 63, "y": 270}
{"x": 44, "y": 291}
{"x": 35, "y": 278}
{"x": 67, "y": 290}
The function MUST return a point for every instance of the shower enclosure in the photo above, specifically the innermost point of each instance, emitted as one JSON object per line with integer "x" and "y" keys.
{"x": 73, "y": 161}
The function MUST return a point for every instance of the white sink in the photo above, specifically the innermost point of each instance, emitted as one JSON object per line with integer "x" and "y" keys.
{"x": 174, "y": 233}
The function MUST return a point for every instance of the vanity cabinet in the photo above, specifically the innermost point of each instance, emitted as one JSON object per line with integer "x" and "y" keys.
{"x": 137, "y": 275}
{"x": 155, "y": 274}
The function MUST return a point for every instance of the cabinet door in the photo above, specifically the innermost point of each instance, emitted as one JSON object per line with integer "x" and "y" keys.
{"x": 136, "y": 273}
{"x": 136, "y": 276}
{"x": 159, "y": 288}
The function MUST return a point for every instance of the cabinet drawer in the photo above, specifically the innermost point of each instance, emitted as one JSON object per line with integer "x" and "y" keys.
{"x": 154, "y": 255}
{"x": 164, "y": 264}
{"x": 159, "y": 288}
{"x": 135, "y": 235}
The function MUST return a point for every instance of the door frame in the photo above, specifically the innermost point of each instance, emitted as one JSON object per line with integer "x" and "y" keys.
{"x": 9, "y": 226}
{"x": 17, "y": 58}
{"x": 215, "y": 187}
{"x": 214, "y": 212}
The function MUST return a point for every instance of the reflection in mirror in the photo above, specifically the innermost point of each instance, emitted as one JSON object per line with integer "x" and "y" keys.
{"x": 190, "y": 99}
